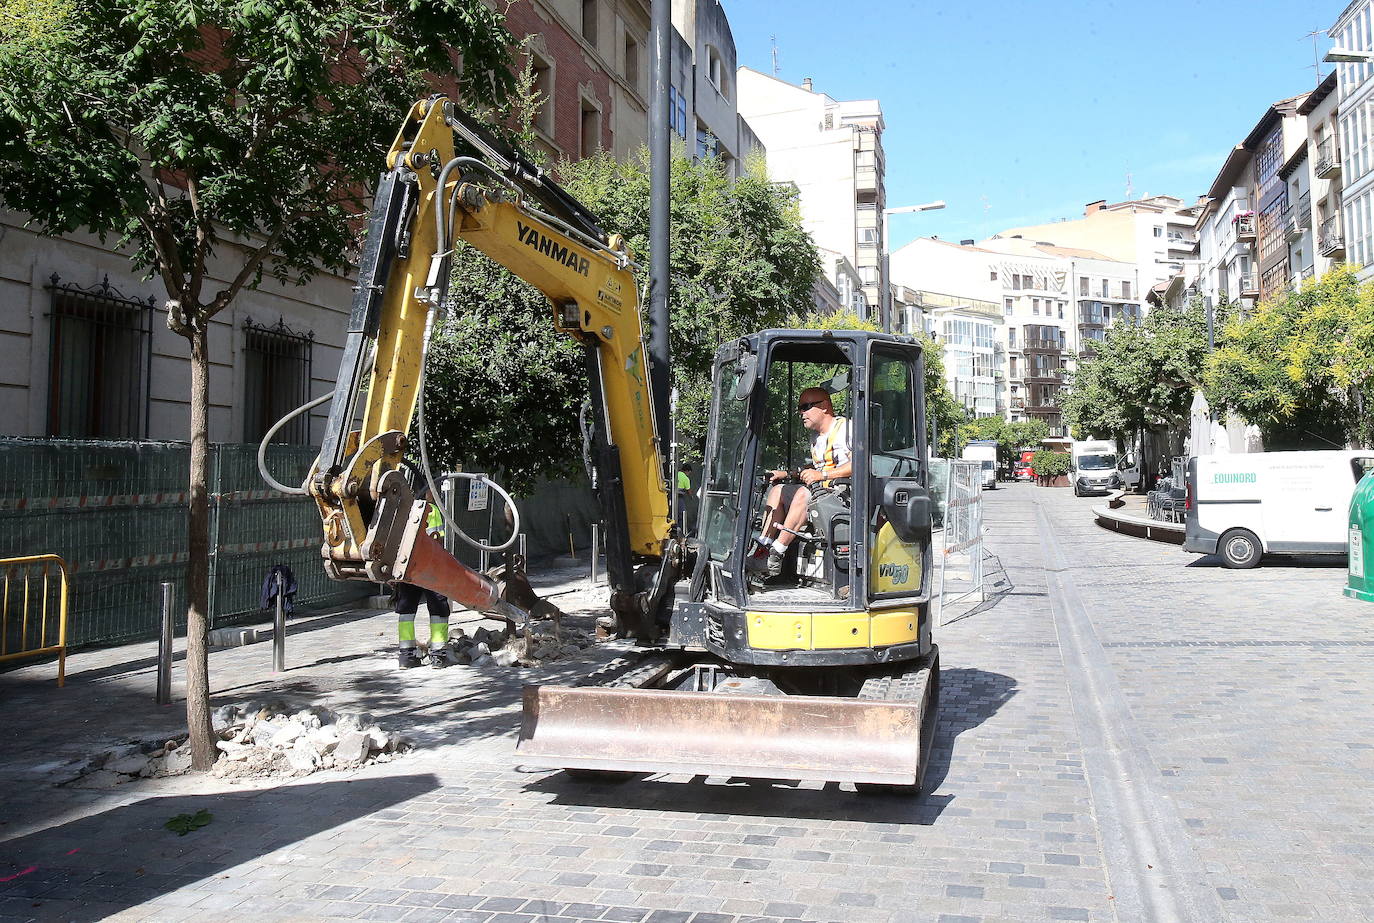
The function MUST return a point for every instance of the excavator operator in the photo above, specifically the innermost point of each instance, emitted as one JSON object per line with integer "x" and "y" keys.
{"x": 831, "y": 460}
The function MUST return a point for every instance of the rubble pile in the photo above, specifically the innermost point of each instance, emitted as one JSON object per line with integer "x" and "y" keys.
{"x": 256, "y": 740}
{"x": 271, "y": 740}
{"x": 488, "y": 648}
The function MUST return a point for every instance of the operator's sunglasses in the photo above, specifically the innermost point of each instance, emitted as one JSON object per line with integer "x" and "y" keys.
{"x": 804, "y": 406}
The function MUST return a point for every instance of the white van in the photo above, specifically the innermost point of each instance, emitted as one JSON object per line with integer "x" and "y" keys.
{"x": 1092, "y": 467}
{"x": 984, "y": 451}
{"x": 1241, "y": 507}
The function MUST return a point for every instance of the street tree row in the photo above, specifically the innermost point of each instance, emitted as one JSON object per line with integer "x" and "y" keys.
{"x": 1299, "y": 367}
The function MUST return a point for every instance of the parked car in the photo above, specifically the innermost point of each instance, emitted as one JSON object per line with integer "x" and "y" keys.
{"x": 1242, "y": 507}
{"x": 1023, "y": 472}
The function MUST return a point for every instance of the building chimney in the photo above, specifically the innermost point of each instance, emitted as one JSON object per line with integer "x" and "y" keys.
{"x": 1093, "y": 207}
{"x": 806, "y": 84}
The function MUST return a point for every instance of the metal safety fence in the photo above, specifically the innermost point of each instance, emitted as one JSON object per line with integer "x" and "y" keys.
{"x": 34, "y": 608}
{"x": 962, "y": 554}
{"x": 115, "y": 512}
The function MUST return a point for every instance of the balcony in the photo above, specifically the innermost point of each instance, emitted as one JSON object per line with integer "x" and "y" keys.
{"x": 1297, "y": 219}
{"x": 1328, "y": 163}
{"x": 866, "y": 180}
{"x": 1331, "y": 238}
{"x": 1044, "y": 376}
{"x": 1181, "y": 242}
{"x": 1039, "y": 345}
{"x": 1245, "y": 227}
{"x": 1249, "y": 285}
{"x": 1043, "y": 410}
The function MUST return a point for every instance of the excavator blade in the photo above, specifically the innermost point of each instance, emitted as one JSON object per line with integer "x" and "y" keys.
{"x": 815, "y": 738}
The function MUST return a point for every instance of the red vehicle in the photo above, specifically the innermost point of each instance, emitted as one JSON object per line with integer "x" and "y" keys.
{"x": 1024, "y": 471}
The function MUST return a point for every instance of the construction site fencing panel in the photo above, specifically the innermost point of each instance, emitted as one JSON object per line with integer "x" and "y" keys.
{"x": 963, "y": 533}
{"x": 116, "y": 512}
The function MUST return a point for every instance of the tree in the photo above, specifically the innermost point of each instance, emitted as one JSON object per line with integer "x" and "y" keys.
{"x": 1142, "y": 374}
{"x": 740, "y": 262}
{"x": 221, "y": 142}
{"x": 1301, "y": 368}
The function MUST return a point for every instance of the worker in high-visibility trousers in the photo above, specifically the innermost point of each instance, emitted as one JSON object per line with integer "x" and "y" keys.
{"x": 407, "y": 599}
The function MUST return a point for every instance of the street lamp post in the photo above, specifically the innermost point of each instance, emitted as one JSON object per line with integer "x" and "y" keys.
{"x": 885, "y": 276}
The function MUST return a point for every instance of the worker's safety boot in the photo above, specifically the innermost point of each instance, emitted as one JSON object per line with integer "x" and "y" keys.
{"x": 408, "y": 658}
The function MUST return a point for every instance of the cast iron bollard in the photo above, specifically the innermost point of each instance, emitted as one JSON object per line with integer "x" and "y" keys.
{"x": 279, "y": 628}
{"x": 164, "y": 649}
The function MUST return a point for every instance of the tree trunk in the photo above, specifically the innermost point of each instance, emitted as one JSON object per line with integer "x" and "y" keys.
{"x": 198, "y": 565}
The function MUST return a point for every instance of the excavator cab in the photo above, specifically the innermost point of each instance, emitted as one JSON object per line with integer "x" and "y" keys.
{"x": 827, "y": 672}
{"x": 866, "y": 539}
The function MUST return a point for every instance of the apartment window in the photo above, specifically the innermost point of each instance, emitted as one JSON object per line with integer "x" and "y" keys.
{"x": 1016, "y": 282}
{"x": 589, "y": 132}
{"x": 589, "y": 16}
{"x": 1027, "y": 282}
{"x": 708, "y": 145}
{"x": 1007, "y": 305}
{"x": 1083, "y": 287}
{"x": 715, "y": 70}
{"x": 98, "y": 364}
{"x": 543, "y": 90}
{"x": 277, "y": 365}
{"x": 1159, "y": 232}
{"x": 992, "y": 275}
{"x": 1035, "y": 305}
{"x": 1106, "y": 289}
{"x": 1126, "y": 290}
{"x": 1013, "y": 373}
{"x": 632, "y": 59}
{"x": 677, "y": 112}
{"x": 1011, "y": 338}
{"x": 1061, "y": 310}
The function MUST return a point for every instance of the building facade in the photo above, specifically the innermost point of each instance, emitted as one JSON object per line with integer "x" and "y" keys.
{"x": 1354, "y": 31}
{"x": 832, "y": 151}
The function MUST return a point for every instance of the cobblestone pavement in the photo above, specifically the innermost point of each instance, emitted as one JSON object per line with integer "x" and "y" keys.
{"x": 1128, "y": 732}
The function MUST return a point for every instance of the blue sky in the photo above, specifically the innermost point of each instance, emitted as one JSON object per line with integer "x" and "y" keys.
{"x": 1020, "y": 113}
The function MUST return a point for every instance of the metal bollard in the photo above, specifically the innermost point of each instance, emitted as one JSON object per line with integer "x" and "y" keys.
{"x": 596, "y": 545}
{"x": 522, "y": 550}
{"x": 279, "y": 628}
{"x": 164, "y": 649}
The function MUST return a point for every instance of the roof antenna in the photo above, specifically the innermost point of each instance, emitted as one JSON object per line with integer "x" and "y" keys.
{"x": 1130, "y": 189}
{"x": 1316, "y": 53}
{"x": 774, "y": 40}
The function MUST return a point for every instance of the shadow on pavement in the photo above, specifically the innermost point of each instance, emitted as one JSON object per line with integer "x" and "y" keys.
{"x": 99, "y": 865}
{"x": 1301, "y": 561}
{"x": 968, "y": 697}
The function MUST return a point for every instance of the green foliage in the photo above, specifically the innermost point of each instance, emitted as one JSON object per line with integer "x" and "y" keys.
{"x": 1050, "y": 464}
{"x": 740, "y": 262}
{"x": 1142, "y": 374}
{"x": 1301, "y": 368}
{"x": 183, "y": 824}
{"x": 1026, "y": 433}
{"x": 264, "y": 119}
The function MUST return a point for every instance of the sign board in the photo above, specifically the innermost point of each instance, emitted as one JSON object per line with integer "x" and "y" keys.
{"x": 477, "y": 495}
{"x": 1356, "y": 552}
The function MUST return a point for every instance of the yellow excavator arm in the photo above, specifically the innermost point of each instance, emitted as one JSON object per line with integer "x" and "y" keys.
{"x": 429, "y": 198}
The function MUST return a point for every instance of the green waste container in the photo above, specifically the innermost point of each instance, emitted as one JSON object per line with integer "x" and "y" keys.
{"x": 1361, "y": 582}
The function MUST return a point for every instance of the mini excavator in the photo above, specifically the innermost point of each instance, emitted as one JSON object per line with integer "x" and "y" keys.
{"x": 826, "y": 671}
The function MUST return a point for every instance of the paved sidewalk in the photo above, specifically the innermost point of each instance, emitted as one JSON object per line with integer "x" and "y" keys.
{"x": 1113, "y": 700}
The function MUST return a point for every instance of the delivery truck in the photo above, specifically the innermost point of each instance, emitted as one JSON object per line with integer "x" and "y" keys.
{"x": 1242, "y": 507}
{"x": 984, "y": 451}
{"x": 1092, "y": 467}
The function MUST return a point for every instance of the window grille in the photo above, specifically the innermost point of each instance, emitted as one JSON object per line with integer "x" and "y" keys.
{"x": 277, "y": 365}
{"x": 99, "y": 362}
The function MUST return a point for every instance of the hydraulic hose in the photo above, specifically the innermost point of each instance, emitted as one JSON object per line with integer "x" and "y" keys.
{"x": 262, "y": 446}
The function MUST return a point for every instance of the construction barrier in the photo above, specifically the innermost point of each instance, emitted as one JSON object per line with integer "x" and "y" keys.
{"x": 31, "y": 601}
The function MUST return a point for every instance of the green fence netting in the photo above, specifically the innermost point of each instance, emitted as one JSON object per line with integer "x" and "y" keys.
{"x": 116, "y": 513}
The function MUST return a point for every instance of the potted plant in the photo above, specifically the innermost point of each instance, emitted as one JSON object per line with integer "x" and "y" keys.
{"x": 1051, "y": 468}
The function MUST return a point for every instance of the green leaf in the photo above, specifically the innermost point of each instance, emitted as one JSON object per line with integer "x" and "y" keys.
{"x": 183, "y": 824}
